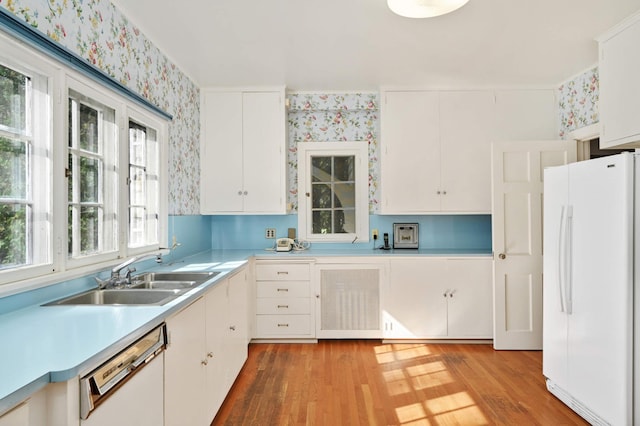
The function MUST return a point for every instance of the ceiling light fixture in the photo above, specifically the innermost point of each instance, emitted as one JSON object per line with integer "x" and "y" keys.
{"x": 424, "y": 8}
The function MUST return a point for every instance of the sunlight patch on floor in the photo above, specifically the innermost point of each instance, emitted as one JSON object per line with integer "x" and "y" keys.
{"x": 427, "y": 372}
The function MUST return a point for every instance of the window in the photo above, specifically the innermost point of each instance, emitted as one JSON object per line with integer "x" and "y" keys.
{"x": 91, "y": 176}
{"x": 25, "y": 232}
{"x": 144, "y": 181}
{"x": 82, "y": 173}
{"x": 332, "y": 200}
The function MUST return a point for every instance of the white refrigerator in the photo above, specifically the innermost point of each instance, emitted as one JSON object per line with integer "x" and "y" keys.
{"x": 588, "y": 286}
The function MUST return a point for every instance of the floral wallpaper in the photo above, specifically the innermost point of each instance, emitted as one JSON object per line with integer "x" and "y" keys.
{"x": 99, "y": 33}
{"x": 330, "y": 118}
{"x": 578, "y": 102}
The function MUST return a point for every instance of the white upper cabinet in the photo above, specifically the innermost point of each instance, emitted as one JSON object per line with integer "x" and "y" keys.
{"x": 243, "y": 152}
{"x": 619, "y": 85}
{"x": 410, "y": 141}
{"x": 436, "y": 145}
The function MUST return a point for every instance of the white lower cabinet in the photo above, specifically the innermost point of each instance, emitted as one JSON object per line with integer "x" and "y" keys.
{"x": 207, "y": 349}
{"x": 17, "y": 416}
{"x": 438, "y": 298}
{"x": 348, "y": 302}
{"x": 283, "y": 300}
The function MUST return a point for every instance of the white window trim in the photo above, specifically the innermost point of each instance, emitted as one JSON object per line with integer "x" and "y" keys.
{"x": 161, "y": 127}
{"x": 358, "y": 149}
{"x": 59, "y": 268}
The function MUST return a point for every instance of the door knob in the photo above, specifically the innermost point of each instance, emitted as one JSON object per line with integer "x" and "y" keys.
{"x": 502, "y": 256}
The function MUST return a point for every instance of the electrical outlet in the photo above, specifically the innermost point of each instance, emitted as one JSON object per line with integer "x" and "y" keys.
{"x": 270, "y": 233}
{"x": 374, "y": 234}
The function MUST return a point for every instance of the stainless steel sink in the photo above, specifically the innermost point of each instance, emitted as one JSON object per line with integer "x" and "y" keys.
{"x": 164, "y": 285}
{"x": 119, "y": 297}
{"x": 170, "y": 280}
{"x": 198, "y": 277}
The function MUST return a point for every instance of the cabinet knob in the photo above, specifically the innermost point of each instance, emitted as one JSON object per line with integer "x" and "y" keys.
{"x": 210, "y": 355}
{"x": 438, "y": 192}
{"x": 239, "y": 192}
{"x": 502, "y": 256}
{"x": 245, "y": 192}
{"x": 204, "y": 362}
{"x": 444, "y": 192}
{"x": 232, "y": 328}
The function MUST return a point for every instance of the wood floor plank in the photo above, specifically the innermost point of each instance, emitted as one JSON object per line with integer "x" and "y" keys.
{"x": 365, "y": 382}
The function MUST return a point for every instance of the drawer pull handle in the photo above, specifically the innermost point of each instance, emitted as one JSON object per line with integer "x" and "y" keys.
{"x": 283, "y": 325}
{"x": 283, "y": 306}
{"x": 283, "y": 289}
{"x": 283, "y": 273}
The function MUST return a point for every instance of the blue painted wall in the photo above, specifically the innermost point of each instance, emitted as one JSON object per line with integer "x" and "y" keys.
{"x": 436, "y": 232}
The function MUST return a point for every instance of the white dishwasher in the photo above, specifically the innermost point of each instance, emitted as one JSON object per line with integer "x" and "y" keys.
{"x": 127, "y": 389}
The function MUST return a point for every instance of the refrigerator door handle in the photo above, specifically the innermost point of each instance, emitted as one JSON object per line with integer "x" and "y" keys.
{"x": 569, "y": 261}
{"x": 562, "y": 257}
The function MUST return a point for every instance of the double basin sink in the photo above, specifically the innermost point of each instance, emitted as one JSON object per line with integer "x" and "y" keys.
{"x": 151, "y": 288}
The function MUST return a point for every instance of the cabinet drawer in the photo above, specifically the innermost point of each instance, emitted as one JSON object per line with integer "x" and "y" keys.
{"x": 282, "y": 271}
{"x": 283, "y": 325}
{"x": 283, "y": 289}
{"x": 283, "y": 305}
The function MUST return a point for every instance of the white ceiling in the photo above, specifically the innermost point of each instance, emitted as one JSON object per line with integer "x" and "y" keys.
{"x": 325, "y": 45}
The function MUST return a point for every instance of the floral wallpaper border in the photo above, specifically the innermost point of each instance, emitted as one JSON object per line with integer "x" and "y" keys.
{"x": 330, "y": 118}
{"x": 578, "y": 102}
{"x": 99, "y": 33}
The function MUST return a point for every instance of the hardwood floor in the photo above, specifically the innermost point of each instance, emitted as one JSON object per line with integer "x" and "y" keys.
{"x": 364, "y": 382}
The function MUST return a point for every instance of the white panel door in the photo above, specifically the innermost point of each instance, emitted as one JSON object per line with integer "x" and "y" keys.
{"x": 466, "y": 131}
{"x": 517, "y": 187}
{"x": 221, "y": 153}
{"x": 410, "y": 164}
{"x": 264, "y": 169}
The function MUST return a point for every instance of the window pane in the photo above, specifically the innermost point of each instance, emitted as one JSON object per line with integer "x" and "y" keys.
{"x": 13, "y": 99}
{"x": 137, "y": 142}
{"x": 89, "y": 179}
{"x": 13, "y": 235}
{"x": 344, "y": 221}
{"x": 89, "y": 229}
{"x": 322, "y": 221}
{"x": 344, "y": 169}
{"x": 136, "y": 226}
{"x": 137, "y": 196}
{"x": 345, "y": 195}
{"x": 13, "y": 169}
{"x": 321, "y": 169}
{"x": 321, "y": 196}
{"x": 88, "y": 128}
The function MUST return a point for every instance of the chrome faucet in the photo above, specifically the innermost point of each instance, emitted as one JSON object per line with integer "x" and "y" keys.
{"x": 116, "y": 280}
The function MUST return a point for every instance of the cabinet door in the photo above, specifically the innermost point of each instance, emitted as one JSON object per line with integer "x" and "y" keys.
{"x": 619, "y": 87}
{"x": 466, "y": 130}
{"x": 184, "y": 372}
{"x": 470, "y": 313}
{"x": 18, "y": 416}
{"x": 221, "y": 153}
{"x": 216, "y": 353}
{"x": 415, "y": 305}
{"x": 237, "y": 325}
{"x": 263, "y": 133}
{"x": 410, "y": 163}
